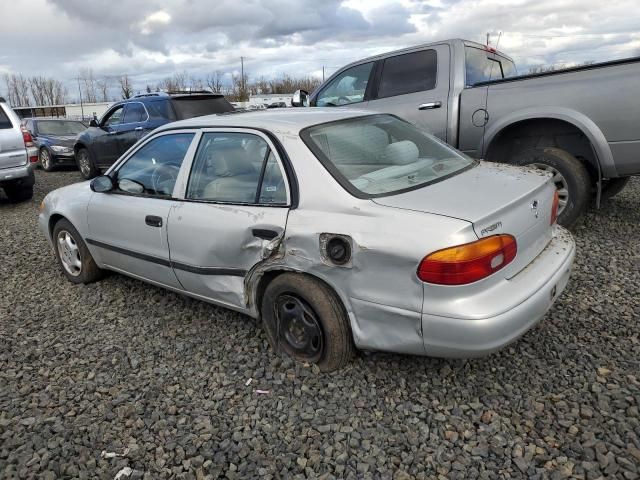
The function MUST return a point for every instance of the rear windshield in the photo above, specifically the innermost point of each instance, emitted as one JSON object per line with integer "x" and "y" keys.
{"x": 196, "y": 106}
{"x": 482, "y": 66}
{"x": 379, "y": 155}
{"x": 60, "y": 127}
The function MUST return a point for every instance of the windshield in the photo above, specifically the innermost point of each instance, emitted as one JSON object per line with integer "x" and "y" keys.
{"x": 378, "y": 155}
{"x": 60, "y": 127}
{"x": 482, "y": 66}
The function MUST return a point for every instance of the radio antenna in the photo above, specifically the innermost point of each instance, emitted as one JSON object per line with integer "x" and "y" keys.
{"x": 486, "y": 96}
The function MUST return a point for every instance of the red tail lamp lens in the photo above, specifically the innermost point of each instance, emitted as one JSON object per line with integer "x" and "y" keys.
{"x": 554, "y": 207}
{"x": 468, "y": 263}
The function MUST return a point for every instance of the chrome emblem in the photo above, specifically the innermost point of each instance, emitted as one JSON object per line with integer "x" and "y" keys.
{"x": 534, "y": 207}
{"x": 490, "y": 228}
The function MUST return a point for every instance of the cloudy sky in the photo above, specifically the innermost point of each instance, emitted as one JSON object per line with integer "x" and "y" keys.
{"x": 151, "y": 39}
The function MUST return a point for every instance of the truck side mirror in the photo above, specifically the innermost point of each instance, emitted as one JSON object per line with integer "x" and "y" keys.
{"x": 93, "y": 123}
{"x": 300, "y": 99}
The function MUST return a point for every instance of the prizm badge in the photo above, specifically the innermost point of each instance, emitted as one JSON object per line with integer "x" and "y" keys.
{"x": 534, "y": 207}
{"x": 490, "y": 228}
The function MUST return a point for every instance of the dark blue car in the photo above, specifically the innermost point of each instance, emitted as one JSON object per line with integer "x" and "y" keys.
{"x": 54, "y": 139}
{"x": 126, "y": 122}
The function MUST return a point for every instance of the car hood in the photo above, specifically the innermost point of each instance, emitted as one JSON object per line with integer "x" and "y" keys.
{"x": 496, "y": 198}
{"x": 62, "y": 140}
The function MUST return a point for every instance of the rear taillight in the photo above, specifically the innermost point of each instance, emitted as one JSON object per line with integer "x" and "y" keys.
{"x": 554, "y": 208}
{"x": 26, "y": 136}
{"x": 468, "y": 263}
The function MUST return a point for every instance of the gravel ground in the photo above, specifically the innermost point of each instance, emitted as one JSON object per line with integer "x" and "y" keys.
{"x": 161, "y": 381}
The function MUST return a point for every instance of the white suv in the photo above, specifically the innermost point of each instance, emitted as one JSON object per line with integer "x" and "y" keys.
{"x": 16, "y": 170}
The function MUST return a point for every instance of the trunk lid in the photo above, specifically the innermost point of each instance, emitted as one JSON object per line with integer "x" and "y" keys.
{"x": 496, "y": 199}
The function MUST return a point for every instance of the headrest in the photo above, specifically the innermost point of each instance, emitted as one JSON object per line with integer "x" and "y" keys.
{"x": 230, "y": 162}
{"x": 400, "y": 153}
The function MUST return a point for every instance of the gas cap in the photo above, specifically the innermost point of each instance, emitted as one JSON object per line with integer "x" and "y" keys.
{"x": 480, "y": 117}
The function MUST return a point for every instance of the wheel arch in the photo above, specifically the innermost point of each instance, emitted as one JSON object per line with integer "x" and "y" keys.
{"x": 582, "y": 137}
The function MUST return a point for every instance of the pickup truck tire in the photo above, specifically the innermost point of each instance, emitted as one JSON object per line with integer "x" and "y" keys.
{"x": 304, "y": 318}
{"x": 570, "y": 176}
{"x": 69, "y": 247}
{"x": 87, "y": 168}
{"x": 613, "y": 186}
{"x": 18, "y": 193}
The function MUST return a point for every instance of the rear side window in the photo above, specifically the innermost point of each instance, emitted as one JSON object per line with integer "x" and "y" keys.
{"x": 408, "y": 73}
{"x": 135, "y": 113}
{"x": 482, "y": 66}
{"x": 160, "y": 110}
{"x": 5, "y": 123}
{"x": 196, "y": 106}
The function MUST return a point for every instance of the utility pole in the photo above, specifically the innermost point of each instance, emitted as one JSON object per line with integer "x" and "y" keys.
{"x": 488, "y": 36}
{"x": 80, "y": 92}
{"x": 322, "y": 73}
{"x": 242, "y": 75}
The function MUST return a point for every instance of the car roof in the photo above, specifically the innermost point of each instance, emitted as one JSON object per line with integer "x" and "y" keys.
{"x": 286, "y": 120}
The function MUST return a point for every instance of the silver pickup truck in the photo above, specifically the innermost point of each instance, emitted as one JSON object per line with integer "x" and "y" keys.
{"x": 582, "y": 123}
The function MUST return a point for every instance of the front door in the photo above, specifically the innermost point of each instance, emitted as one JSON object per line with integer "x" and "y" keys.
{"x": 415, "y": 86}
{"x": 128, "y": 226}
{"x": 105, "y": 146}
{"x": 133, "y": 126}
{"x": 235, "y": 203}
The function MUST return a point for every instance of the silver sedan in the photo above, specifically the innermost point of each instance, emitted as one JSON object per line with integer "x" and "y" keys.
{"x": 338, "y": 229}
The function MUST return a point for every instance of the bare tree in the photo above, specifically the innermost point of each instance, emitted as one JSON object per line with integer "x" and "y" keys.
{"x": 126, "y": 89}
{"x": 214, "y": 81}
{"x": 103, "y": 85}
{"x": 88, "y": 82}
{"x": 38, "y": 87}
{"x": 17, "y": 90}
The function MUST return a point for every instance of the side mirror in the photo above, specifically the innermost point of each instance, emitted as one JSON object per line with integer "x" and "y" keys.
{"x": 102, "y": 184}
{"x": 300, "y": 99}
{"x": 93, "y": 123}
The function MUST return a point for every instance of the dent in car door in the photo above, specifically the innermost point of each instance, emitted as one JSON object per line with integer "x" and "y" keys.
{"x": 235, "y": 206}
{"x": 415, "y": 86}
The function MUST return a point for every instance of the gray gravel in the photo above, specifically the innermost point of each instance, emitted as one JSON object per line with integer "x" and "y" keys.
{"x": 124, "y": 368}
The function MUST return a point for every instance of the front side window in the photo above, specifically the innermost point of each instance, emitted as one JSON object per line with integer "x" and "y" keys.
{"x": 114, "y": 117}
{"x": 153, "y": 169}
{"x": 236, "y": 168}
{"x": 378, "y": 155}
{"x": 348, "y": 87}
{"x": 408, "y": 73}
{"x": 135, "y": 113}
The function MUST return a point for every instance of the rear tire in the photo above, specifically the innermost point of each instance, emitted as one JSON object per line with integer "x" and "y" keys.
{"x": 85, "y": 163}
{"x": 72, "y": 253}
{"x": 570, "y": 176}
{"x": 332, "y": 346}
{"x": 46, "y": 160}
{"x": 18, "y": 193}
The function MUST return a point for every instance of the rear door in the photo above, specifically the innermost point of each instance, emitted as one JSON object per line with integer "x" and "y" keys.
{"x": 133, "y": 126}
{"x": 12, "y": 150}
{"x": 415, "y": 86}
{"x": 235, "y": 203}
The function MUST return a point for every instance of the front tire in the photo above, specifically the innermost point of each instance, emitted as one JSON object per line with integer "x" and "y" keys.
{"x": 73, "y": 255}
{"x": 305, "y": 318}
{"x": 85, "y": 163}
{"x": 46, "y": 160}
{"x": 570, "y": 176}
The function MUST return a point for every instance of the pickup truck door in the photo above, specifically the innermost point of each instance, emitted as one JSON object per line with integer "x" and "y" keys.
{"x": 415, "y": 87}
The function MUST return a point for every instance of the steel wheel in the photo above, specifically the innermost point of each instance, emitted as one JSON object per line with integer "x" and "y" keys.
{"x": 69, "y": 253}
{"x": 300, "y": 333}
{"x": 45, "y": 159}
{"x": 84, "y": 163}
{"x": 560, "y": 182}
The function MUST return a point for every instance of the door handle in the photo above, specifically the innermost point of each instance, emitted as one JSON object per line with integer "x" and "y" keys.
{"x": 153, "y": 221}
{"x": 430, "y": 105}
{"x": 138, "y": 129}
{"x": 264, "y": 234}
{"x": 111, "y": 133}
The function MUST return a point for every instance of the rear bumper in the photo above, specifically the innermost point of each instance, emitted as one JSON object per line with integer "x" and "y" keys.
{"x": 22, "y": 174}
{"x": 472, "y": 337}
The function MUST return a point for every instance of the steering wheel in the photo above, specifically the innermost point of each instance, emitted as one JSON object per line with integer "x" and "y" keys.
{"x": 342, "y": 100}
{"x": 163, "y": 174}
